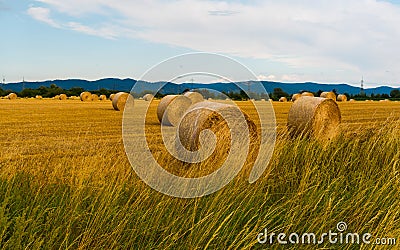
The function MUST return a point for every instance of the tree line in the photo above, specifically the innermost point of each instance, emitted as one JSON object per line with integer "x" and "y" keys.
{"x": 53, "y": 90}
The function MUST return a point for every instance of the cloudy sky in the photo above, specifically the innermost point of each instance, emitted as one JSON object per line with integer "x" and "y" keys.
{"x": 291, "y": 41}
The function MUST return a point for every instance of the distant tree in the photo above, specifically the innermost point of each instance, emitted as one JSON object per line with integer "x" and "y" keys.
{"x": 220, "y": 96}
{"x": 243, "y": 95}
{"x": 318, "y": 93}
{"x": 395, "y": 93}
{"x": 2, "y": 92}
{"x": 28, "y": 92}
{"x": 237, "y": 96}
{"x": 74, "y": 91}
{"x": 159, "y": 95}
{"x": 42, "y": 90}
{"x": 264, "y": 96}
{"x": 386, "y": 96}
{"x": 206, "y": 93}
{"x": 278, "y": 93}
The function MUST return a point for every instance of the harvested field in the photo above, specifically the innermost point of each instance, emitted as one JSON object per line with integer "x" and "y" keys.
{"x": 79, "y": 190}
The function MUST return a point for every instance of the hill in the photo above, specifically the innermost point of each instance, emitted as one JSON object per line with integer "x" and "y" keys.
{"x": 127, "y": 84}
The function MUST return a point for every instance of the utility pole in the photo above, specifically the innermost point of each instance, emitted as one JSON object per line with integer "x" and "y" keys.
{"x": 248, "y": 88}
{"x": 362, "y": 86}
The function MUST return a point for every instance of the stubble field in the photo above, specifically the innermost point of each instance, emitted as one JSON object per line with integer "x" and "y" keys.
{"x": 65, "y": 182}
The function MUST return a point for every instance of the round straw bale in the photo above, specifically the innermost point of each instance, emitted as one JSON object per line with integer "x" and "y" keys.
{"x": 295, "y": 97}
{"x": 38, "y": 97}
{"x": 148, "y": 97}
{"x": 207, "y": 115}
{"x": 120, "y": 99}
{"x": 283, "y": 99}
{"x": 263, "y": 100}
{"x": 72, "y": 97}
{"x": 195, "y": 97}
{"x": 95, "y": 97}
{"x": 63, "y": 97}
{"x": 56, "y": 97}
{"x": 314, "y": 116}
{"x": 352, "y": 100}
{"x": 12, "y": 96}
{"x": 307, "y": 94}
{"x": 102, "y": 97}
{"x": 342, "y": 98}
{"x": 329, "y": 95}
{"x": 112, "y": 97}
{"x": 171, "y": 109}
{"x": 86, "y": 96}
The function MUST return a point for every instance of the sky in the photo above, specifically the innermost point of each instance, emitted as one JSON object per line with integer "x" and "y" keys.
{"x": 290, "y": 41}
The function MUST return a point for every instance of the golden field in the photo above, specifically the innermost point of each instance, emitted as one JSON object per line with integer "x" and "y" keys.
{"x": 65, "y": 182}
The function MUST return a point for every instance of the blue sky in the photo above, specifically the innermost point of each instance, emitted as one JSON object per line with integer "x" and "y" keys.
{"x": 289, "y": 41}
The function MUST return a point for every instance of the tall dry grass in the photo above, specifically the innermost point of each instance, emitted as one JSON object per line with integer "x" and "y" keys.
{"x": 71, "y": 186}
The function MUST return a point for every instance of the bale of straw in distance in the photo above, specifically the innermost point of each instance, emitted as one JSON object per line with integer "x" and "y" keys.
{"x": 38, "y": 97}
{"x": 307, "y": 94}
{"x": 95, "y": 97}
{"x": 85, "y": 96}
{"x": 63, "y": 97}
{"x": 329, "y": 95}
{"x": 12, "y": 96}
{"x": 352, "y": 100}
{"x": 73, "y": 98}
{"x": 112, "y": 97}
{"x": 171, "y": 109}
{"x": 195, "y": 97}
{"x": 314, "y": 116}
{"x": 295, "y": 97}
{"x": 283, "y": 99}
{"x": 200, "y": 117}
{"x": 102, "y": 97}
{"x": 56, "y": 97}
{"x": 148, "y": 97}
{"x": 120, "y": 99}
{"x": 342, "y": 98}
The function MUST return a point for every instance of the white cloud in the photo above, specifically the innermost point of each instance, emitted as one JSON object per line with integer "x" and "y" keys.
{"x": 106, "y": 32}
{"x": 356, "y": 36}
{"x": 262, "y": 77}
{"x": 43, "y": 15}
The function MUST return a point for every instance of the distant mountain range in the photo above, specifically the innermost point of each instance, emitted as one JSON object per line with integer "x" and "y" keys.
{"x": 172, "y": 88}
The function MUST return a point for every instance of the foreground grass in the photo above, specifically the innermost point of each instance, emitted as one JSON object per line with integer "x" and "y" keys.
{"x": 79, "y": 191}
